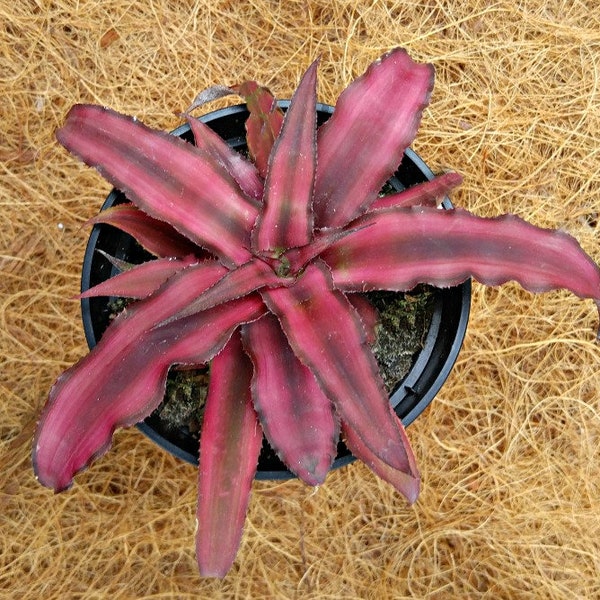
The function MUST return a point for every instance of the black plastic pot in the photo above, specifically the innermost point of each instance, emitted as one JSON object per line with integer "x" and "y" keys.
{"x": 429, "y": 371}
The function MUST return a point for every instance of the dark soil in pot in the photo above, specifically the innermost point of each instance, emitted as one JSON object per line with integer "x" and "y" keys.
{"x": 418, "y": 339}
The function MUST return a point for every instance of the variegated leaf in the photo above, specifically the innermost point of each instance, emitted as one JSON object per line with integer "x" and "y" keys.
{"x": 296, "y": 416}
{"x": 286, "y": 219}
{"x": 327, "y": 335}
{"x": 361, "y": 140}
{"x": 167, "y": 178}
{"x": 230, "y": 443}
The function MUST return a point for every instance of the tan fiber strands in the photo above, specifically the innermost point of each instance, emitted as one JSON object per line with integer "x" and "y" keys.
{"x": 510, "y": 449}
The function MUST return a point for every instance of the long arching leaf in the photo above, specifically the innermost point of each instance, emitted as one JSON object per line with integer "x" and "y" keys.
{"x": 399, "y": 248}
{"x": 296, "y": 416}
{"x": 327, "y": 335}
{"x": 166, "y": 177}
{"x": 229, "y": 447}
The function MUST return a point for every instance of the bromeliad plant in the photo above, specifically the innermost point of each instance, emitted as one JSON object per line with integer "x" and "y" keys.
{"x": 257, "y": 266}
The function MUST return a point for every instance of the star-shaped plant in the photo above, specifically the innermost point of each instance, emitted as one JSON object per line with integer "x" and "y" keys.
{"x": 258, "y": 264}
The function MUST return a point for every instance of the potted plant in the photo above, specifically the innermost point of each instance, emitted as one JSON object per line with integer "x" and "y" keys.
{"x": 421, "y": 360}
{"x": 288, "y": 238}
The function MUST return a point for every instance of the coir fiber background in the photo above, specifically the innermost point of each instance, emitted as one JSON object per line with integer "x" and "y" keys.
{"x": 509, "y": 451}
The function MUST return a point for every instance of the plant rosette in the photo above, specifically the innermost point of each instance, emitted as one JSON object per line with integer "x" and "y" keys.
{"x": 412, "y": 379}
{"x": 260, "y": 267}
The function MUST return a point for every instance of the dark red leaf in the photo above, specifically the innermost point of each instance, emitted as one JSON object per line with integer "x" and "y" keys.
{"x": 327, "y": 335}
{"x": 168, "y": 178}
{"x": 157, "y": 237}
{"x": 428, "y": 193}
{"x": 296, "y": 417}
{"x": 399, "y": 248}
{"x": 140, "y": 280}
{"x": 242, "y": 170}
{"x": 253, "y": 275}
{"x": 286, "y": 219}
{"x": 408, "y": 483}
{"x": 72, "y": 397}
{"x": 230, "y": 443}
{"x": 263, "y": 124}
{"x": 361, "y": 145}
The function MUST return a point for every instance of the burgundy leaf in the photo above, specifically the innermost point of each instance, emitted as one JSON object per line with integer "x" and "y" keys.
{"x": 247, "y": 278}
{"x": 230, "y": 443}
{"x": 399, "y": 248}
{"x": 407, "y": 483}
{"x": 243, "y": 171}
{"x": 286, "y": 220}
{"x": 296, "y": 258}
{"x": 361, "y": 145}
{"x": 131, "y": 387}
{"x": 327, "y": 335}
{"x": 296, "y": 417}
{"x": 263, "y": 124}
{"x": 166, "y": 177}
{"x": 157, "y": 237}
{"x": 79, "y": 385}
{"x": 428, "y": 193}
{"x": 141, "y": 280}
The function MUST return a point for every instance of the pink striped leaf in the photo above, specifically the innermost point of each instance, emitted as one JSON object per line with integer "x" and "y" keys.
{"x": 286, "y": 220}
{"x": 399, "y": 248}
{"x": 428, "y": 193}
{"x": 407, "y": 483}
{"x": 140, "y": 280}
{"x": 131, "y": 387}
{"x": 230, "y": 444}
{"x": 55, "y": 454}
{"x": 157, "y": 237}
{"x": 264, "y": 123}
{"x": 243, "y": 171}
{"x": 296, "y": 416}
{"x": 167, "y": 178}
{"x": 360, "y": 139}
{"x": 253, "y": 275}
{"x": 326, "y": 334}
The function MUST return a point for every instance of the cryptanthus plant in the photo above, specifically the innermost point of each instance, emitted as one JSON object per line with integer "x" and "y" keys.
{"x": 258, "y": 264}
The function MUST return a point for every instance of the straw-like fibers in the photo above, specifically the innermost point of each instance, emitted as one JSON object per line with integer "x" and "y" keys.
{"x": 510, "y": 449}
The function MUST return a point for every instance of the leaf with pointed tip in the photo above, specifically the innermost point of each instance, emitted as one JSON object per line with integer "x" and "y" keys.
{"x": 296, "y": 416}
{"x": 286, "y": 219}
{"x": 403, "y": 247}
{"x": 249, "y": 277}
{"x": 140, "y": 280}
{"x": 120, "y": 265}
{"x": 408, "y": 483}
{"x": 167, "y": 178}
{"x": 327, "y": 335}
{"x": 428, "y": 193}
{"x": 242, "y": 170}
{"x": 230, "y": 443}
{"x": 157, "y": 237}
{"x": 263, "y": 124}
{"x": 297, "y": 258}
{"x": 361, "y": 133}
{"x": 75, "y": 390}
{"x": 131, "y": 387}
